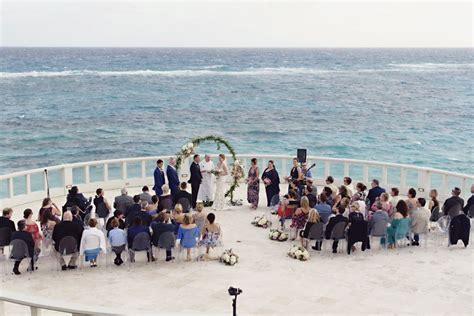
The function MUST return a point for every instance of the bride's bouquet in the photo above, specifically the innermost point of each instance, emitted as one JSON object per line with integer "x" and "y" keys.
{"x": 229, "y": 258}
{"x": 215, "y": 172}
{"x": 261, "y": 221}
{"x": 278, "y": 235}
{"x": 298, "y": 252}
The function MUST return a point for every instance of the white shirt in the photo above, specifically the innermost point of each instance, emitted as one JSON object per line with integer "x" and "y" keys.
{"x": 89, "y": 243}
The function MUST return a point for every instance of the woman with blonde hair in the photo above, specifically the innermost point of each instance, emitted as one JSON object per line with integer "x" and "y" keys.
{"x": 199, "y": 216}
{"x": 300, "y": 216}
{"x": 178, "y": 213}
{"x": 313, "y": 218}
{"x": 188, "y": 233}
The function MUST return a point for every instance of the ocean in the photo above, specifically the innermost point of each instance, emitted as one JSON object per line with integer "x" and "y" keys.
{"x": 62, "y": 105}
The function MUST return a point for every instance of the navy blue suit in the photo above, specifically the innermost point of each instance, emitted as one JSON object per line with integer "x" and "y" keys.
{"x": 374, "y": 193}
{"x": 173, "y": 180}
{"x": 159, "y": 176}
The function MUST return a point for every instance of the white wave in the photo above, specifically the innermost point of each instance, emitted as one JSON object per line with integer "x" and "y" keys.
{"x": 433, "y": 65}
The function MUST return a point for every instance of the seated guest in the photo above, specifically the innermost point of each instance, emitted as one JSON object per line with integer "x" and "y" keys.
{"x": 22, "y": 234}
{"x": 386, "y": 205}
{"x": 314, "y": 188}
{"x": 329, "y": 199}
{"x": 5, "y": 219}
{"x": 67, "y": 228}
{"x": 121, "y": 223}
{"x": 75, "y": 197}
{"x": 359, "y": 194}
{"x": 411, "y": 201}
{"x": 454, "y": 200}
{"x": 378, "y": 216}
{"x": 188, "y": 234}
{"x": 133, "y": 210}
{"x": 146, "y": 218}
{"x": 324, "y": 209}
{"x": 400, "y": 225}
{"x": 300, "y": 216}
{"x": 394, "y": 198}
{"x": 76, "y": 218}
{"x": 375, "y": 192}
{"x": 123, "y": 201}
{"x": 89, "y": 248}
{"x": 182, "y": 193}
{"x": 178, "y": 214}
{"x": 342, "y": 195}
{"x": 32, "y": 228}
{"x": 102, "y": 206}
{"x": 347, "y": 183}
{"x": 145, "y": 196}
{"x": 420, "y": 219}
{"x": 166, "y": 199}
{"x": 308, "y": 192}
{"x": 330, "y": 184}
{"x": 118, "y": 240}
{"x": 199, "y": 217}
{"x": 332, "y": 222}
{"x": 133, "y": 231}
{"x": 313, "y": 218}
{"x": 210, "y": 233}
{"x": 152, "y": 207}
{"x": 284, "y": 212}
{"x": 355, "y": 213}
{"x": 47, "y": 223}
{"x": 161, "y": 225}
{"x": 49, "y": 205}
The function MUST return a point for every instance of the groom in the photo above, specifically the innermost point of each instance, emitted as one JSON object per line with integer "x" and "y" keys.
{"x": 195, "y": 179}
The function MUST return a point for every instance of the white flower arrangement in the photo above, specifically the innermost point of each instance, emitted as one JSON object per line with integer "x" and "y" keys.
{"x": 278, "y": 235}
{"x": 261, "y": 221}
{"x": 237, "y": 170}
{"x": 298, "y": 252}
{"x": 229, "y": 257}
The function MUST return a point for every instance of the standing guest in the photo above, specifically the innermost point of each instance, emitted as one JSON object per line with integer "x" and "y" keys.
{"x": 271, "y": 179}
{"x": 118, "y": 215}
{"x": 5, "y": 219}
{"x": 133, "y": 231}
{"x": 161, "y": 225}
{"x": 152, "y": 207}
{"x": 453, "y": 201}
{"x": 394, "y": 197}
{"x": 253, "y": 184}
{"x": 22, "y": 234}
{"x": 49, "y": 205}
{"x": 195, "y": 179}
{"x": 33, "y": 229}
{"x": 188, "y": 234}
{"x": 210, "y": 234}
{"x": 330, "y": 184}
{"x": 118, "y": 240}
{"x": 433, "y": 200}
{"x": 102, "y": 206}
{"x": 123, "y": 201}
{"x": 159, "y": 176}
{"x": 132, "y": 210}
{"x": 296, "y": 177}
{"x": 300, "y": 216}
{"x": 89, "y": 247}
{"x": 67, "y": 228}
{"x": 375, "y": 192}
{"x": 470, "y": 202}
{"x": 313, "y": 218}
{"x": 332, "y": 222}
{"x": 347, "y": 182}
{"x": 400, "y": 225}
{"x": 173, "y": 178}
{"x": 323, "y": 208}
{"x": 411, "y": 201}
{"x": 420, "y": 219}
{"x": 75, "y": 197}
{"x": 206, "y": 190}
{"x": 145, "y": 195}
{"x": 166, "y": 200}
{"x": 183, "y": 194}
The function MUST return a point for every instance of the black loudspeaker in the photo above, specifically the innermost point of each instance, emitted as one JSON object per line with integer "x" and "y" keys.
{"x": 301, "y": 155}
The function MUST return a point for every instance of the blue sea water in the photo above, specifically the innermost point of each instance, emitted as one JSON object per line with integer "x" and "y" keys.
{"x": 63, "y": 105}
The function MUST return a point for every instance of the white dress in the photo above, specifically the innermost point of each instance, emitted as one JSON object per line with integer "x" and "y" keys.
{"x": 219, "y": 198}
{"x": 206, "y": 188}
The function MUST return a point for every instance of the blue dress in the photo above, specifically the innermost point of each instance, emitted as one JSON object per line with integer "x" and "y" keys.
{"x": 399, "y": 228}
{"x": 188, "y": 236}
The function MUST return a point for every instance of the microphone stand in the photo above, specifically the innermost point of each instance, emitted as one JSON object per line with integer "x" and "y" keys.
{"x": 47, "y": 182}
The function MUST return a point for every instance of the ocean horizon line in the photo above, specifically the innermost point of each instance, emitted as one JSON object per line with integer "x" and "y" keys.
{"x": 244, "y": 47}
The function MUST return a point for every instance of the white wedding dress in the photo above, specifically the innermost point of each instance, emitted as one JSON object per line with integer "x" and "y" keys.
{"x": 219, "y": 197}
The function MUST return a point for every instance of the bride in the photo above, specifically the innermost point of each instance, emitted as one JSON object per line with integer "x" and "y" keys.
{"x": 219, "y": 198}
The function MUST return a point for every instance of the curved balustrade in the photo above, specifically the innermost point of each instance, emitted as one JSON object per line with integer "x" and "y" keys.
{"x": 28, "y": 186}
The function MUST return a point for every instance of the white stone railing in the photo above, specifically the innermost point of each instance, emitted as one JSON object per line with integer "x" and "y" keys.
{"x": 28, "y": 186}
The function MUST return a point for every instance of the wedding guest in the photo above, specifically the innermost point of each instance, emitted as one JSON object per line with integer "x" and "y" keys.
{"x": 314, "y": 188}
{"x": 454, "y": 200}
{"x": 178, "y": 214}
{"x": 206, "y": 190}
{"x": 433, "y": 200}
{"x": 50, "y": 206}
{"x": 143, "y": 214}
{"x": 22, "y": 234}
{"x": 470, "y": 202}
{"x": 253, "y": 184}
{"x": 323, "y": 208}
{"x": 118, "y": 240}
{"x": 118, "y": 215}
{"x": 340, "y": 196}
{"x": 152, "y": 208}
{"x": 355, "y": 213}
{"x": 47, "y": 223}
{"x": 313, "y": 218}
{"x": 133, "y": 231}
{"x": 184, "y": 194}
{"x": 348, "y": 185}
{"x": 166, "y": 200}
{"x": 75, "y": 197}
{"x": 159, "y": 177}
{"x": 187, "y": 235}
{"x": 195, "y": 179}
{"x": 123, "y": 201}
{"x": 102, "y": 206}
{"x": 411, "y": 201}
{"x": 199, "y": 217}
{"x": 67, "y": 228}
{"x": 89, "y": 248}
{"x": 420, "y": 219}
{"x": 133, "y": 210}
{"x": 5, "y": 219}
{"x": 360, "y": 194}
{"x": 332, "y": 222}
{"x": 330, "y": 184}
{"x": 76, "y": 218}
{"x": 210, "y": 233}
{"x": 400, "y": 225}
{"x": 329, "y": 199}
{"x": 378, "y": 216}
{"x": 300, "y": 216}
{"x": 271, "y": 179}
{"x": 386, "y": 205}
{"x": 375, "y": 192}
{"x": 161, "y": 225}
{"x": 308, "y": 192}
{"x": 173, "y": 178}
{"x": 145, "y": 195}
{"x": 394, "y": 198}
{"x": 32, "y": 228}
{"x": 296, "y": 177}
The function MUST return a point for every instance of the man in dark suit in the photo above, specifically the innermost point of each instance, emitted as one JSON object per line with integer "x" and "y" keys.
{"x": 159, "y": 176}
{"x": 195, "y": 179}
{"x": 454, "y": 200}
{"x": 375, "y": 192}
{"x": 160, "y": 226}
{"x": 183, "y": 194}
{"x": 173, "y": 179}
{"x": 67, "y": 228}
{"x": 22, "y": 234}
{"x": 332, "y": 222}
{"x": 5, "y": 219}
{"x": 470, "y": 203}
{"x": 132, "y": 211}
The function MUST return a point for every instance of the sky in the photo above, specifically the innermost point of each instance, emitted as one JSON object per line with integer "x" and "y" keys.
{"x": 236, "y": 24}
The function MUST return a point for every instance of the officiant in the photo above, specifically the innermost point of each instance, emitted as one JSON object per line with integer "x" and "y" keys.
{"x": 206, "y": 190}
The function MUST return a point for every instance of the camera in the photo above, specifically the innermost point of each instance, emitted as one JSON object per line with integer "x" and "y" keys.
{"x": 234, "y": 291}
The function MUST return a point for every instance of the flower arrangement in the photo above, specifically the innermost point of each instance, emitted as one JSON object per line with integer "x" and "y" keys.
{"x": 261, "y": 221}
{"x": 237, "y": 170}
{"x": 229, "y": 258}
{"x": 215, "y": 173}
{"x": 298, "y": 252}
{"x": 278, "y": 235}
